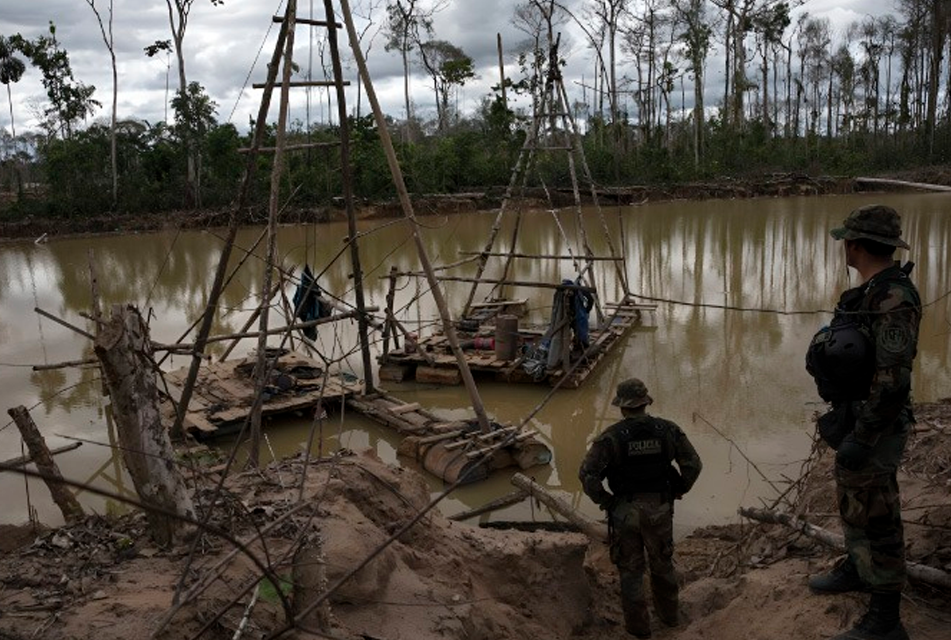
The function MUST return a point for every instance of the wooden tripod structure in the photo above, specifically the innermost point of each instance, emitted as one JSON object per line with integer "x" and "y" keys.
{"x": 553, "y": 129}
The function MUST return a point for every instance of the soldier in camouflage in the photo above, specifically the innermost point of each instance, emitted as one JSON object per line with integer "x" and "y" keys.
{"x": 635, "y": 457}
{"x": 871, "y": 421}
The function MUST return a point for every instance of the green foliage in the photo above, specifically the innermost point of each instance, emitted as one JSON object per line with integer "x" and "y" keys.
{"x": 70, "y": 101}
{"x": 270, "y": 593}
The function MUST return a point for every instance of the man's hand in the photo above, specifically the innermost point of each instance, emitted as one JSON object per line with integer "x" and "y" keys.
{"x": 608, "y": 503}
{"x": 852, "y": 454}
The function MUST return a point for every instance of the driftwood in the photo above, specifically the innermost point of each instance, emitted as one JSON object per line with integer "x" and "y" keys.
{"x": 125, "y": 352}
{"x": 916, "y": 571}
{"x": 903, "y": 183}
{"x": 593, "y": 530}
{"x": 40, "y": 453}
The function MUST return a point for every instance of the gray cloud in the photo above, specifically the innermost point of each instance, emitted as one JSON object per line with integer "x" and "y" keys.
{"x": 222, "y": 43}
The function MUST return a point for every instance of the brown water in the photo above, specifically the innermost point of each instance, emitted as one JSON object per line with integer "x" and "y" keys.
{"x": 733, "y": 379}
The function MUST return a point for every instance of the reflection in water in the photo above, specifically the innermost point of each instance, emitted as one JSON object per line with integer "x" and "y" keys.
{"x": 740, "y": 286}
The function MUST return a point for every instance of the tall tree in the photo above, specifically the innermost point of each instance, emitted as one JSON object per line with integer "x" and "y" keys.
{"x": 70, "y": 101}
{"x": 610, "y": 14}
{"x": 178, "y": 12}
{"x": 696, "y": 32}
{"x": 194, "y": 117}
{"x": 106, "y": 31}
{"x": 449, "y": 67}
{"x": 11, "y": 70}
{"x": 408, "y": 24}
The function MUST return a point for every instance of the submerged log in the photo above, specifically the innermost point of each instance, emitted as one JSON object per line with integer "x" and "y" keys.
{"x": 125, "y": 352}
{"x": 41, "y": 455}
{"x": 593, "y": 530}
{"x": 903, "y": 183}
{"x": 920, "y": 572}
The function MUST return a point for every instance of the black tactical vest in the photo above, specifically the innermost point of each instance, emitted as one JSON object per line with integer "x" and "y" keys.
{"x": 841, "y": 357}
{"x": 642, "y": 456}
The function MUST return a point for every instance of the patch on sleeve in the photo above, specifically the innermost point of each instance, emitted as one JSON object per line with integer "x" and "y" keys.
{"x": 894, "y": 339}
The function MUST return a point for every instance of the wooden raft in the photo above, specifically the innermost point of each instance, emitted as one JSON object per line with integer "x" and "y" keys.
{"x": 224, "y": 391}
{"x": 453, "y": 450}
{"x": 432, "y": 361}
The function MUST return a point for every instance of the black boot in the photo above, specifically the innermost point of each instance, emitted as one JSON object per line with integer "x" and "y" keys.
{"x": 881, "y": 622}
{"x": 843, "y": 578}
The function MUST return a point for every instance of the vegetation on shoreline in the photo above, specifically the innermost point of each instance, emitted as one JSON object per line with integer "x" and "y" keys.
{"x": 797, "y": 99}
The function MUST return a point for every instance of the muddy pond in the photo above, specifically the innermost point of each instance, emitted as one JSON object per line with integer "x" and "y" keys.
{"x": 740, "y": 288}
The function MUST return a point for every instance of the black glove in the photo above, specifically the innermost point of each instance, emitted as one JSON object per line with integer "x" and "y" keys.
{"x": 852, "y": 454}
{"x": 608, "y": 504}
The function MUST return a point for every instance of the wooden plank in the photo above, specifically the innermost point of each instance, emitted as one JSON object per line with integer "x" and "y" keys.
{"x": 438, "y": 375}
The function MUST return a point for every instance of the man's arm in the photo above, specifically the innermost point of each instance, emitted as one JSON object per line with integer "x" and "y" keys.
{"x": 593, "y": 470}
{"x": 894, "y": 326}
{"x": 687, "y": 460}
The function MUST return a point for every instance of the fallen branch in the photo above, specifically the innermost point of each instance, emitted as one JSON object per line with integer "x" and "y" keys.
{"x": 920, "y": 572}
{"x": 21, "y": 461}
{"x": 591, "y": 529}
{"x": 40, "y": 453}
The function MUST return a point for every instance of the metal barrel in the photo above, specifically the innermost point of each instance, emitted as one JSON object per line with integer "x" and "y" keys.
{"x": 506, "y": 337}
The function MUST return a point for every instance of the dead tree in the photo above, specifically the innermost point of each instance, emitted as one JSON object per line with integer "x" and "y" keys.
{"x": 124, "y": 349}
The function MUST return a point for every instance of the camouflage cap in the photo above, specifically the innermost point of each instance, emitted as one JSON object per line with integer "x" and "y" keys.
{"x": 631, "y": 393}
{"x": 875, "y": 222}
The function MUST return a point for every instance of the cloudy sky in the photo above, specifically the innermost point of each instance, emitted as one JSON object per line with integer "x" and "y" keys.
{"x": 227, "y": 46}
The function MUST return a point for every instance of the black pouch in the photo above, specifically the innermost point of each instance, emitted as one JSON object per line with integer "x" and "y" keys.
{"x": 836, "y": 423}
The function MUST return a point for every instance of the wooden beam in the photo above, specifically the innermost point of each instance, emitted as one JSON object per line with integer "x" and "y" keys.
{"x": 305, "y": 83}
{"x": 538, "y": 257}
{"x": 312, "y": 23}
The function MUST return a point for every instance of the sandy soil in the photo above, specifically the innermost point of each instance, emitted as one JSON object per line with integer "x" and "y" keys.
{"x": 446, "y": 580}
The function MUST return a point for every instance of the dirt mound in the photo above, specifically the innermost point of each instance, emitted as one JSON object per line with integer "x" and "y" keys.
{"x": 441, "y": 579}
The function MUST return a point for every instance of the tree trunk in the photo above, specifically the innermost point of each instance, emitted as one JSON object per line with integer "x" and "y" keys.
{"x": 41, "y": 455}
{"x": 125, "y": 352}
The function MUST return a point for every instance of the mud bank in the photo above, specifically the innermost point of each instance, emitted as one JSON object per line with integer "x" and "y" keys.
{"x": 314, "y": 523}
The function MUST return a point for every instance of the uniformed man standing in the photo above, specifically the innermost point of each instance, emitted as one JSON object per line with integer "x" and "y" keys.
{"x": 862, "y": 364}
{"x": 635, "y": 455}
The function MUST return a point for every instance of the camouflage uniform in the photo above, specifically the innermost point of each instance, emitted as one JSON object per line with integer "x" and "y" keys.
{"x": 868, "y": 495}
{"x": 635, "y": 456}
{"x": 888, "y": 309}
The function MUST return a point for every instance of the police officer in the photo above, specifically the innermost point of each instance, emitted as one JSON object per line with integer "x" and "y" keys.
{"x": 635, "y": 457}
{"x": 871, "y": 415}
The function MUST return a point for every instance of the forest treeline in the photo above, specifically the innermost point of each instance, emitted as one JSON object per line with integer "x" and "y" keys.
{"x": 795, "y": 96}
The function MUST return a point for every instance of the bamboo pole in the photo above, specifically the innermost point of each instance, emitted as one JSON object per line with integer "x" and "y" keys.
{"x": 916, "y": 571}
{"x": 207, "y": 318}
{"x": 41, "y": 455}
{"x": 346, "y": 179}
{"x": 247, "y": 325}
{"x": 187, "y": 346}
{"x": 262, "y": 369}
{"x": 593, "y": 530}
{"x": 493, "y": 505}
{"x": 407, "y": 205}
{"x": 542, "y": 256}
{"x": 22, "y": 461}
{"x": 60, "y": 321}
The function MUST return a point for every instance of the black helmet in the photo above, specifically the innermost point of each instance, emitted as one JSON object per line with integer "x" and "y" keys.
{"x": 842, "y": 361}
